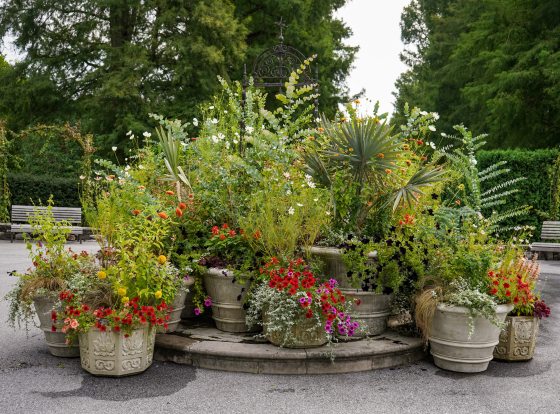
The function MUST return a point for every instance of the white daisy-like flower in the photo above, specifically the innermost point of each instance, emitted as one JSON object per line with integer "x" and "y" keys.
{"x": 195, "y": 122}
{"x": 211, "y": 107}
{"x": 249, "y": 129}
{"x": 299, "y": 204}
{"x": 147, "y": 134}
{"x": 432, "y": 128}
{"x": 291, "y": 211}
{"x": 328, "y": 213}
{"x": 433, "y": 145}
{"x": 435, "y": 115}
{"x": 215, "y": 139}
{"x": 132, "y": 137}
{"x": 129, "y": 133}
{"x": 443, "y": 134}
{"x": 221, "y": 136}
{"x": 214, "y": 121}
{"x": 114, "y": 148}
{"x": 82, "y": 177}
{"x": 235, "y": 141}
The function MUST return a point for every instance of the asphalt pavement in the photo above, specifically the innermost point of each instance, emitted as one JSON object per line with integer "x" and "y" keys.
{"x": 33, "y": 381}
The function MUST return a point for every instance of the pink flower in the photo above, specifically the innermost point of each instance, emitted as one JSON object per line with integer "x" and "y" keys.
{"x": 74, "y": 324}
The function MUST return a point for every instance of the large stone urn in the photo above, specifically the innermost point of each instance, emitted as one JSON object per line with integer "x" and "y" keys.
{"x": 371, "y": 310}
{"x": 452, "y": 347}
{"x": 56, "y": 341}
{"x": 227, "y": 300}
{"x": 518, "y": 339}
{"x": 114, "y": 354}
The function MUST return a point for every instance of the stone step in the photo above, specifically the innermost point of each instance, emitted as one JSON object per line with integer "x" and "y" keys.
{"x": 207, "y": 347}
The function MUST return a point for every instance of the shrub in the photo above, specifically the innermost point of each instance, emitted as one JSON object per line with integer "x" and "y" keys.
{"x": 27, "y": 189}
{"x": 536, "y": 190}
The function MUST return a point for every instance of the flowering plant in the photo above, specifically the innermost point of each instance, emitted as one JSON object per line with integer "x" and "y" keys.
{"x": 229, "y": 248}
{"x": 291, "y": 293}
{"x": 78, "y": 317}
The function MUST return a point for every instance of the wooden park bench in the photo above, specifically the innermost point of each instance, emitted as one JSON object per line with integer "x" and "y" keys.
{"x": 20, "y": 219}
{"x": 550, "y": 231}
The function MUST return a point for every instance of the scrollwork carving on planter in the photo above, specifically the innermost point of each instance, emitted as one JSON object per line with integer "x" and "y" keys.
{"x": 131, "y": 364}
{"x": 103, "y": 365}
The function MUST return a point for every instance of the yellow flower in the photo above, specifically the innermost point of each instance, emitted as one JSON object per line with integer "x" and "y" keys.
{"x": 101, "y": 274}
{"x": 125, "y": 299}
{"x": 161, "y": 259}
{"x": 158, "y": 294}
{"x": 121, "y": 291}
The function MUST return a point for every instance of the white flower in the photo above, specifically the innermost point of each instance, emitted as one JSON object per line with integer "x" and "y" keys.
{"x": 433, "y": 145}
{"x": 299, "y": 204}
{"x": 235, "y": 141}
{"x": 129, "y": 133}
{"x": 287, "y": 175}
{"x": 291, "y": 211}
{"x": 211, "y": 107}
{"x": 288, "y": 192}
{"x": 147, "y": 134}
{"x": 214, "y": 121}
{"x": 435, "y": 115}
{"x": 140, "y": 167}
{"x": 443, "y": 134}
{"x": 249, "y": 129}
{"x": 132, "y": 137}
{"x": 315, "y": 199}
{"x": 97, "y": 178}
{"x": 127, "y": 168}
{"x": 423, "y": 113}
{"x": 82, "y": 177}
{"x": 225, "y": 112}
{"x": 215, "y": 139}
{"x": 473, "y": 161}
{"x": 432, "y": 128}
{"x": 227, "y": 144}
{"x": 114, "y": 148}
{"x": 221, "y": 136}
{"x": 328, "y": 213}
{"x": 195, "y": 122}
{"x": 317, "y": 119}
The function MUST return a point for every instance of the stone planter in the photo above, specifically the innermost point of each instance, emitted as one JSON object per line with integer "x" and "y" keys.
{"x": 306, "y": 333}
{"x": 56, "y": 341}
{"x": 188, "y": 310}
{"x": 450, "y": 344}
{"x": 518, "y": 340}
{"x": 112, "y": 354}
{"x": 227, "y": 300}
{"x": 373, "y": 310}
{"x": 178, "y": 306}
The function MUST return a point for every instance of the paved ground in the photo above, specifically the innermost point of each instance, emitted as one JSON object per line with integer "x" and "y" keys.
{"x": 32, "y": 381}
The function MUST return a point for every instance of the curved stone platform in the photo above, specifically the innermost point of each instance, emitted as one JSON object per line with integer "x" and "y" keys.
{"x": 206, "y": 347}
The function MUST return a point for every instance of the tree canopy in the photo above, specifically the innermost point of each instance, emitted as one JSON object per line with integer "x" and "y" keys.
{"x": 494, "y": 65}
{"x": 108, "y": 63}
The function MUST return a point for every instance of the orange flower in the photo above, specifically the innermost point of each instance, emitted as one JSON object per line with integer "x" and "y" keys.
{"x": 163, "y": 215}
{"x": 141, "y": 187}
{"x": 169, "y": 192}
{"x": 388, "y": 171}
{"x": 178, "y": 212}
{"x": 408, "y": 162}
{"x": 222, "y": 236}
{"x": 420, "y": 142}
{"x": 257, "y": 235}
{"x": 182, "y": 206}
{"x": 135, "y": 212}
{"x": 380, "y": 155}
{"x": 458, "y": 202}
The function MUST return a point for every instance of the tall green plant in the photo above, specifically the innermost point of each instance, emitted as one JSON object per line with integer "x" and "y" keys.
{"x": 4, "y": 188}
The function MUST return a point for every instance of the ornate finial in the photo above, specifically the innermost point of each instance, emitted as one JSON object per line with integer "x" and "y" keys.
{"x": 281, "y": 25}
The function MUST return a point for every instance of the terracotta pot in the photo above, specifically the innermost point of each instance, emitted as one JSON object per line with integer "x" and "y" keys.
{"x": 56, "y": 341}
{"x": 518, "y": 340}
{"x": 227, "y": 300}
{"x": 450, "y": 344}
{"x": 113, "y": 354}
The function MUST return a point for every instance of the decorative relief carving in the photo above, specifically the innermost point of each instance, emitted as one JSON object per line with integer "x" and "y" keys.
{"x": 133, "y": 344}
{"x": 103, "y": 365}
{"x": 131, "y": 364}
{"x": 104, "y": 344}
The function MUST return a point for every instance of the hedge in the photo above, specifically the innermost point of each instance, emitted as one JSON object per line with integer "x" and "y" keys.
{"x": 536, "y": 190}
{"x": 27, "y": 189}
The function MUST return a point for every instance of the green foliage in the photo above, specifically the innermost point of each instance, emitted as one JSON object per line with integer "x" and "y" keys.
{"x": 28, "y": 188}
{"x": 555, "y": 190}
{"x": 493, "y": 65}
{"x": 4, "y": 187}
{"x": 536, "y": 190}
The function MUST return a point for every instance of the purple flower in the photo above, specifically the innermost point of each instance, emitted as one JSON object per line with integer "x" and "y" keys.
{"x": 303, "y": 300}
{"x": 197, "y": 311}
{"x": 208, "y": 302}
{"x": 333, "y": 283}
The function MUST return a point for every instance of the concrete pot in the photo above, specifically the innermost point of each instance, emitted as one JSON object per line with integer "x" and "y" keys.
{"x": 56, "y": 341}
{"x": 373, "y": 310}
{"x": 188, "y": 310}
{"x": 114, "y": 355}
{"x": 178, "y": 305}
{"x": 518, "y": 340}
{"x": 227, "y": 300}
{"x": 306, "y": 333}
{"x": 450, "y": 344}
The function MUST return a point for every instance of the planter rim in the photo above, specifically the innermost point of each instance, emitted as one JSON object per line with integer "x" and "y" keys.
{"x": 503, "y": 308}
{"x": 333, "y": 251}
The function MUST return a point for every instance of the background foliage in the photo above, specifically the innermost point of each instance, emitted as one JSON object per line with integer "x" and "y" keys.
{"x": 492, "y": 65}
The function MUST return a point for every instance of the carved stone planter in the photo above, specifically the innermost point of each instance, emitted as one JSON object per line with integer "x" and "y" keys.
{"x": 227, "y": 300}
{"x": 517, "y": 341}
{"x": 306, "y": 333}
{"x": 452, "y": 347}
{"x": 115, "y": 355}
{"x": 56, "y": 341}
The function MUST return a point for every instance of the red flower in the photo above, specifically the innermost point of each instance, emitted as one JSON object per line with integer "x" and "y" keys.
{"x": 53, "y": 315}
{"x": 494, "y": 291}
{"x": 225, "y": 226}
{"x": 506, "y": 285}
{"x": 232, "y": 233}
{"x": 53, "y": 328}
{"x": 182, "y": 206}
{"x": 163, "y": 215}
{"x": 222, "y": 236}
{"x": 117, "y": 329}
{"x": 178, "y": 212}
{"x": 257, "y": 235}
{"x": 215, "y": 230}
{"x": 508, "y": 293}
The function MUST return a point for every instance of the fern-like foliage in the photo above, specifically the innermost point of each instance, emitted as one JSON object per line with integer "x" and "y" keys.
{"x": 475, "y": 195}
